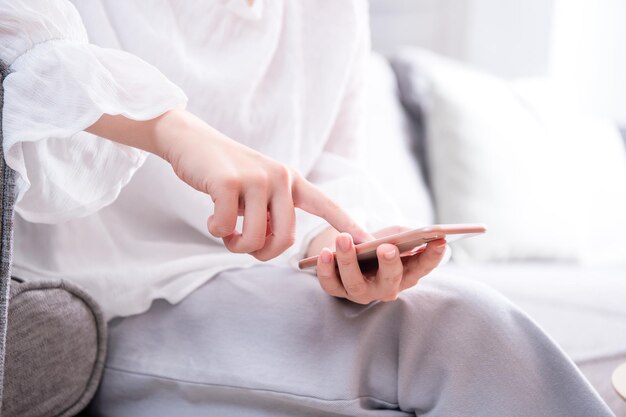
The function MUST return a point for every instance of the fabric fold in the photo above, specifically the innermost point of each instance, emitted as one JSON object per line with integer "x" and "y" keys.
{"x": 57, "y": 89}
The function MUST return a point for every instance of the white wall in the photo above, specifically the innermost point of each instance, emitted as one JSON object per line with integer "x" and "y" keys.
{"x": 581, "y": 43}
{"x": 434, "y": 24}
{"x": 506, "y": 37}
{"x": 589, "y": 54}
{"x": 510, "y": 38}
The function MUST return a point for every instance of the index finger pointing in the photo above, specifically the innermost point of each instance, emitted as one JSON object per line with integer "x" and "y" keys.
{"x": 309, "y": 198}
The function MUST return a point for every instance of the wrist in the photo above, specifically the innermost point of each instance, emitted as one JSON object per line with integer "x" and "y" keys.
{"x": 324, "y": 239}
{"x": 168, "y": 130}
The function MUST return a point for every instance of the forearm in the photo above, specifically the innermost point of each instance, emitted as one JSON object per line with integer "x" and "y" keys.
{"x": 153, "y": 135}
{"x": 214, "y": 164}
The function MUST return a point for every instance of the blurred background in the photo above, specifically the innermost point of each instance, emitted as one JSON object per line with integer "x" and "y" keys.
{"x": 508, "y": 112}
{"x": 578, "y": 42}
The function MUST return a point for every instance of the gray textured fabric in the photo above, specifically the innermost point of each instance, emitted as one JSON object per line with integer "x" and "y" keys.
{"x": 267, "y": 341}
{"x": 6, "y": 232}
{"x": 55, "y": 351}
{"x": 52, "y": 334}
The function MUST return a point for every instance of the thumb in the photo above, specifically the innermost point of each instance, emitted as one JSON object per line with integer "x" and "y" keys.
{"x": 311, "y": 199}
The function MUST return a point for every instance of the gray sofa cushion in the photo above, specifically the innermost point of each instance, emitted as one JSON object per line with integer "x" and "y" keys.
{"x": 55, "y": 347}
{"x": 56, "y": 342}
{"x": 6, "y": 231}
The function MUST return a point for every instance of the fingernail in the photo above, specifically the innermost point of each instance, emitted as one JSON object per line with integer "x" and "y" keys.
{"x": 326, "y": 256}
{"x": 389, "y": 255}
{"x": 344, "y": 243}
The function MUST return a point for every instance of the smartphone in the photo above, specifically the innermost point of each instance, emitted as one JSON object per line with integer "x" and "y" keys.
{"x": 409, "y": 243}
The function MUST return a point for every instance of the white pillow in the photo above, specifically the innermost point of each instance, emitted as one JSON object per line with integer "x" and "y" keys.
{"x": 549, "y": 181}
{"x": 388, "y": 157}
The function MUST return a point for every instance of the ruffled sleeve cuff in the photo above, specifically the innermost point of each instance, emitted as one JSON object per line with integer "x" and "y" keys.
{"x": 55, "y": 90}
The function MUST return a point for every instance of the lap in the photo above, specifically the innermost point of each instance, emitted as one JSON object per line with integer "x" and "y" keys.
{"x": 271, "y": 335}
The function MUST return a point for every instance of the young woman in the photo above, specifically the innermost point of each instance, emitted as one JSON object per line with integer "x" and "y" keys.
{"x": 142, "y": 131}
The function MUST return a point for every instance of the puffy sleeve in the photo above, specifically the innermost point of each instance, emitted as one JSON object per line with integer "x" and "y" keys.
{"x": 339, "y": 171}
{"x": 59, "y": 84}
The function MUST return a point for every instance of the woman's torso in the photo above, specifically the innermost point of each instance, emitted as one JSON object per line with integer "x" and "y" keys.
{"x": 270, "y": 77}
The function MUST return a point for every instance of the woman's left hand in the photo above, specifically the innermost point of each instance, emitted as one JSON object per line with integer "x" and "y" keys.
{"x": 394, "y": 274}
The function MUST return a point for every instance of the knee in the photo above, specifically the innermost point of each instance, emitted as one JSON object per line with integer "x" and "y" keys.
{"x": 465, "y": 310}
{"x": 449, "y": 325}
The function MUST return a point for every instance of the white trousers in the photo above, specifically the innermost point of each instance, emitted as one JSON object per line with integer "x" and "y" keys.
{"x": 267, "y": 341}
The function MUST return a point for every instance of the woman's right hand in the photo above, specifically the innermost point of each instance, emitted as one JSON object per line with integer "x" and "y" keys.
{"x": 240, "y": 181}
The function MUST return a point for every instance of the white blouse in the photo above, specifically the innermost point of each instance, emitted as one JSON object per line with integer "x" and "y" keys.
{"x": 282, "y": 77}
